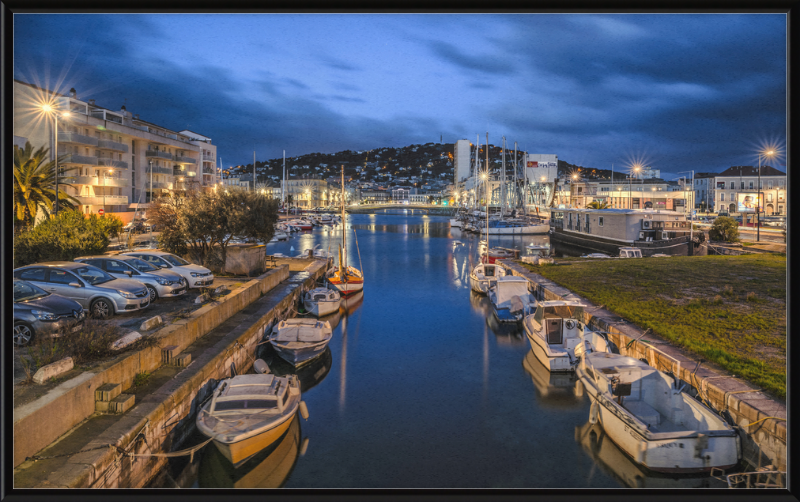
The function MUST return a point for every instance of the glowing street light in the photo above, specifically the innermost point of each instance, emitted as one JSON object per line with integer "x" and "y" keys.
{"x": 48, "y": 109}
{"x": 766, "y": 154}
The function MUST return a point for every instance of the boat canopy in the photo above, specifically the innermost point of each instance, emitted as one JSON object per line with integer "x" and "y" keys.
{"x": 508, "y": 287}
{"x": 297, "y": 332}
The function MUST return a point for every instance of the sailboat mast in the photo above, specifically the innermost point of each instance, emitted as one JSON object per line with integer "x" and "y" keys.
{"x": 487, "y": 179}
{"x": 344, "y": 240}
{"x": 505, "y": 197}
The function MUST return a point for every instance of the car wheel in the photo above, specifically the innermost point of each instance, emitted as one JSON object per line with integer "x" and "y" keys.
{"x": 101, "y": 309}
{"x": 23, "y": 334}
{"x": 153, "y": 293}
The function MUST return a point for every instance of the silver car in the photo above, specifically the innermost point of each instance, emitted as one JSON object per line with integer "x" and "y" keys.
{"x": 197, "y": 276}
{"x": 95, "y": 290}
{"x": 160, "y": 283}
{"x": 38, "y": 313}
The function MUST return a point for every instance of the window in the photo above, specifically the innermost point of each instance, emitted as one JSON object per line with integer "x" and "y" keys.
{"x": 742, "y": 183}
{"x": 769, "y": 184}
{"x": 732, "y": 185}
{"x": 750, "y": 186}
{"x": 115, "y": 267}
{"x": 31, "y": 274}
{"x": 769, "y": 197}
{"x": 62, "y": 277}
{"x": 600, "y": 221}
{"x": 780, "y": 183}
{"x": 722, "y": 197}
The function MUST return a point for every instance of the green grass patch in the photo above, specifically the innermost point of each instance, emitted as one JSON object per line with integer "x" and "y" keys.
{"x": 730, "y": 310}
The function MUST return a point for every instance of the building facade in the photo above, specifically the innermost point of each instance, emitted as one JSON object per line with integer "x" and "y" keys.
{"x": 462, "y": 160}
{"x": 742, "y": 181}
{"x": 307, "y": 192}
{"x": 110, "y": 159}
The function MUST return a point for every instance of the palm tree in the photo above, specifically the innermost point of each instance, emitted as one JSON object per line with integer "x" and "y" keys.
{"x": 34, "y": 185}
{"x": 596, "y": 204}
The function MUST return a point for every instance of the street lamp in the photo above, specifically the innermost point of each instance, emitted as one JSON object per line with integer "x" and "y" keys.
{"x": 50, "y": 110}
{"x": 105, "y": 185}
{"x": 768, "y": 153}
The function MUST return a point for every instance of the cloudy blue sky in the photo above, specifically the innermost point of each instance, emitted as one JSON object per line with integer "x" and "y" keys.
{"x": 677, "y": 92}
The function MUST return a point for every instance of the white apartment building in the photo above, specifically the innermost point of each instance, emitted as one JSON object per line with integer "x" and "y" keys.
{"x": 462, "y": 160}
{"x": 744, "y": 179}
{"x": 111, "y": 159}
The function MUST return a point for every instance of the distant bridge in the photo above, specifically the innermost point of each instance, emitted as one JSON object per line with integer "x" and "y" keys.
{"x": 402, "y": 209}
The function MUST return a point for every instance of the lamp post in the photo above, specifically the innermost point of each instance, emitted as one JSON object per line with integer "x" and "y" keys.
{"x": 769, "y": 153}
{"x": 49, "y": 109}
{"x": 105, "y": 185}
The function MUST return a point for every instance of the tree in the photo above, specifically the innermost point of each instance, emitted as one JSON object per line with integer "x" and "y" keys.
{"x": 65, "y": 237}
{"x": 725, "y": 229}
{"x": 34, "y": 186}
{"x": 202, "y": 224}
{"x": 596, "y": 204}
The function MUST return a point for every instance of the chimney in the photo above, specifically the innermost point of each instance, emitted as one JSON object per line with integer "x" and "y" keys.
{"x": 136, "y": 117}
{"x": 91, "y": 102}
{"x": 73, "y": 94}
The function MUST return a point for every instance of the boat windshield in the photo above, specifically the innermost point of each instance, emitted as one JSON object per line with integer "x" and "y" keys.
{"x": 246, "y": 404}
{"x": 564, "y": 311}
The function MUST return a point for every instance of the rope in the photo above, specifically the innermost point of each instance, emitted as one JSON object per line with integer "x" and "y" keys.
{"x": 765, "y": 418}
{"x": 637, "y": 339}
{"x": 725, "y": 397}
{"x": 188, "y": 451}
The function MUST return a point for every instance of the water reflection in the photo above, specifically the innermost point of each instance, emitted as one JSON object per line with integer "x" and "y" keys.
{"x": 432, "y": 229}
{"x": 267, "y": 469}
{"x": 553, "y": 390}
{"x": 613, "y": 461}
{"x": 309, "y": 374}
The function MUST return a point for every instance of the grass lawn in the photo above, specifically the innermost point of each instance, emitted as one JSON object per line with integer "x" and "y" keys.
{"x": 727, "y": 309}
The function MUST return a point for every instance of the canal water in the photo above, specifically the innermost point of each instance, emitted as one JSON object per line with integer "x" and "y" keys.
{"x": 422, "y": 388}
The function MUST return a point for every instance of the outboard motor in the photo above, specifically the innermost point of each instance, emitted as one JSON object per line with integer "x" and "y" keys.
{"x": 261, "y": 367}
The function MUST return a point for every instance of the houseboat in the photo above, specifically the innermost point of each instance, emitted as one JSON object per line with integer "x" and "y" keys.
{"x": 653, "y": 231}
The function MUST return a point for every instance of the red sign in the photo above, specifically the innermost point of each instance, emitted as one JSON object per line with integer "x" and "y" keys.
{"x": 100, "y": 211}
{"x": 533, "y": 163}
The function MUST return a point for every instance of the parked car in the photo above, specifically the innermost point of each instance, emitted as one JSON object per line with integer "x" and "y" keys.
{"x": 97, "y": 291}
{"x": 160, "y": 283}
{"x": 196, "y": 275}
{"x": 38, "y": 313}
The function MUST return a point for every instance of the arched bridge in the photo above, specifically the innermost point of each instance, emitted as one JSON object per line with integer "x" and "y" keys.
{"x": 402, "y": 209}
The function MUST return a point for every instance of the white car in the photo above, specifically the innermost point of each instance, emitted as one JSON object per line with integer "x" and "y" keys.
{"x": 196, "y": 275}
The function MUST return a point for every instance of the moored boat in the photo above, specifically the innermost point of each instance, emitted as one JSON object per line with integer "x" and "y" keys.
{"x": 648, "y": 416}
{"x": 344, "y": 278}
{"x": 248, "y": 413}
{"x": 510, "y": 297}
{"x": 484, "y": 276}
{"x": 298, "y": 341}
{"x": 321, "y": 301}
{"x": 506, "y": 227}
{"x": 558, "y": 335}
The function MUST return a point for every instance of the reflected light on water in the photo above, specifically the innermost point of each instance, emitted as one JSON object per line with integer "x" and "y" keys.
{"x": 343, "y": 380}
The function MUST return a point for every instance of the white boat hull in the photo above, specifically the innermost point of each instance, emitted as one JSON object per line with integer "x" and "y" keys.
{"x": 676, "y": 451}
{"x": 554, "y": 364}
{"x": 526, "y": 230}
{"x": 321, "y": 308}
{"x": 481, "y": 285}
{"x": 455, "y": 223}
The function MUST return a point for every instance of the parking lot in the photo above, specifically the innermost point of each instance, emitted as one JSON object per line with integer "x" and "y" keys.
{"x": 168, "y": 308}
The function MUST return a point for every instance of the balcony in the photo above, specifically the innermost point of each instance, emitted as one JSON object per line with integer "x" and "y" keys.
{"x": 99, "y": 200}
{"x": 184, "y": 160}
{"x": 208, "y": 158}
{"x": 97, "y": 181}
{"x": 158, "y": 185}
{"x": 107, "y": 144}
{"x": 73, "y": 137}
{"x": 116, "y": 164}
{"x": 159, "y": 170}
{"x": 209, "y": 170}
{"x": 158, "y": 154}
{"x": 71, "y": 158}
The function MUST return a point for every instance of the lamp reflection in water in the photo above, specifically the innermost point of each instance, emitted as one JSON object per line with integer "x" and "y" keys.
{"x": 614, "y": 462}
{"x": 348, "y": 307}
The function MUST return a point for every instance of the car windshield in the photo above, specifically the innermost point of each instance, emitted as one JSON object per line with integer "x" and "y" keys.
{"x": 141, "y": 265}
{"x": 24, "y": 291}
{"x": 174, "y": 260}
{"x": 93, "y": 275}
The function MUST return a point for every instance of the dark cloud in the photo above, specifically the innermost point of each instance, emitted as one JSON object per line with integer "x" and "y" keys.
{"x": 489, "y": 64}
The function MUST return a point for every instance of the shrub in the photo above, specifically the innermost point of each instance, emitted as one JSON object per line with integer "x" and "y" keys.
{"x": 724, "y": 229}
{"x": 65, "y": 237}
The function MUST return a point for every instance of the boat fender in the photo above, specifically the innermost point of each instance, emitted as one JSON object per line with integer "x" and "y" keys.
{"x": 594, "y": 413}
{"x": 261, "y": 367}
{"x": 303, "y": 410}
{"x": 640, "y": 452}
{"x": 304, "y": 446}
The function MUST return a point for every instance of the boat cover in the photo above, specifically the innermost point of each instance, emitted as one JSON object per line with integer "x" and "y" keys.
{"x": 509, "y": 286}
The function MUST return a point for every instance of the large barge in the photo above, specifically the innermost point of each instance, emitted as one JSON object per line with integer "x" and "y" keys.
{"x": 654, "y": 231}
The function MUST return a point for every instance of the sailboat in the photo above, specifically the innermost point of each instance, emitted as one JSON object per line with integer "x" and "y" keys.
{"x": 343, "y": 278}
{"x": 484, "y": 276}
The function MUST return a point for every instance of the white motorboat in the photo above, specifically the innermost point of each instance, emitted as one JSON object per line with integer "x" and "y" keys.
{"x": 455, "y": 222}
{"x": 317, "y": 252}
{"x": 510, "y": 297}
{"x": 279, "y": 236}
{"x": 298, "y": 341}
{"x": 630, "y": 252}
{"x": 321, "y": 301}
{"x": 507, "y": 227}
{"x": 558, "y": 335}
{"x": 652, "y": 420}
{"x": 248, "y": 413}
{"x": 484, "y": 276}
